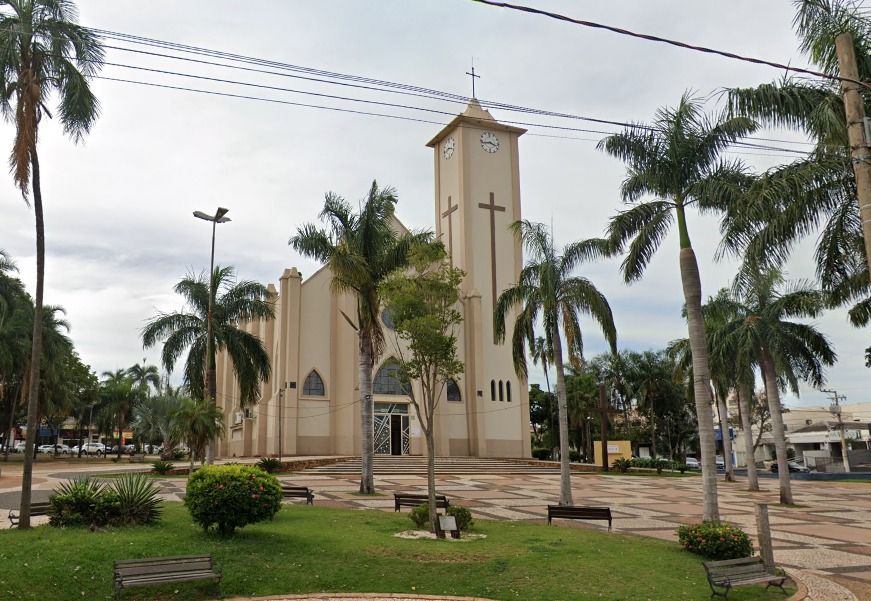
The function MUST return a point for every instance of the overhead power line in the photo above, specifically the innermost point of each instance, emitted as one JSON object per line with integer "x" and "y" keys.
{"x": 654, "y": 38}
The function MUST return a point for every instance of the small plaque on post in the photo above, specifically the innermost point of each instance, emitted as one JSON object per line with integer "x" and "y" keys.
{"x": 448, "y": 523}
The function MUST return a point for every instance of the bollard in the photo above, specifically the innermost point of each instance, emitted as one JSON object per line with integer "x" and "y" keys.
{"x": 763, "y": 533}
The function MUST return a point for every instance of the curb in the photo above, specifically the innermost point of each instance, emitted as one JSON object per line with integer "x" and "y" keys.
{"x": 801, "y": 593}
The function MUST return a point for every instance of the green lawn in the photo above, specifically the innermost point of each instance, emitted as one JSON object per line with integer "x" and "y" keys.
{"x": 313, "y": 549}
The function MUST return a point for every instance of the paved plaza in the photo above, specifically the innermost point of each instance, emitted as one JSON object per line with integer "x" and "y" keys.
{"x": 828, "y": 531}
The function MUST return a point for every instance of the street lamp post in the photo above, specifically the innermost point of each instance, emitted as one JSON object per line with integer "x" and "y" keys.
{"x": 211, "y": 377}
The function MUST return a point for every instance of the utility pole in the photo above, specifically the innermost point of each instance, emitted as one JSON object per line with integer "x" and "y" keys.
{"x": 835, "y": 409}
{"x": 855, "y": 111}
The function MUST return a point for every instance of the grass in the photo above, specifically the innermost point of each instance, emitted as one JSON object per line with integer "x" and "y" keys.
{"x": 314, "y": 549}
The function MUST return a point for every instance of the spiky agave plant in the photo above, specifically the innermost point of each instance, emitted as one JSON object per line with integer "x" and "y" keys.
{"x": 138, "y": 500}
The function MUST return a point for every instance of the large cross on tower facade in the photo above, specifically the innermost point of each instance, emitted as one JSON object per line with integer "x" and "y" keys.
{"x": 448, "y": 214}
{"x": 493, "y": 208}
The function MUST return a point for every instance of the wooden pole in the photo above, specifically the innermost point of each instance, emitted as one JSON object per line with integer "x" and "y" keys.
{"x": 763, "y": 533}
{"x": 855, "y": 111}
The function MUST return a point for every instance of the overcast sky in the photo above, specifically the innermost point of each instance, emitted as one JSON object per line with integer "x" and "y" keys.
{"x": 118, "y": 207}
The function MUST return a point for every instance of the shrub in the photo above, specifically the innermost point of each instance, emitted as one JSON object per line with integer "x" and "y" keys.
{"x": 681, "y": 467}
{"x": 420, "y": 516}
{"x": 621, "y": 464}
{"x": 574, "y": 456}
{"x": 83, "y": 502}
{"x": 463, "y": 515}
{"x": 138, "y": 502}
{"x": 715, "y": 540}
{"x": 541, "y": 454}
{"x": 162, "y": 467}
{"x": 231, "y": 496}
{"x": 270, "y": 465}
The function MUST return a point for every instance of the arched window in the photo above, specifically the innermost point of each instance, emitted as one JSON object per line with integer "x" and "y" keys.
{"x": 454, "y": 391}
{"x": 508, "y": 391}
{"x": 313, "y": 385}
{"x": 387, "y": 379}
{"x": 501, "y": 397}
{"x": 492, "y": 390}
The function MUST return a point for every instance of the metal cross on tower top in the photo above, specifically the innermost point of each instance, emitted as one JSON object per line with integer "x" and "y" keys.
{"x": 474, "y": 76}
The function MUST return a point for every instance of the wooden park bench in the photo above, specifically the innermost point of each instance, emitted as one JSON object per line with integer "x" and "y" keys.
{"x": 137, "y": 458}
{"x": 415, "y": 500}
{"x": 730, "y": 573}
{"x": 298, "y": 492}
{"x": 40, "y": 508}
{"x": 571, "y": 512}
{"x": 163, "y": 570}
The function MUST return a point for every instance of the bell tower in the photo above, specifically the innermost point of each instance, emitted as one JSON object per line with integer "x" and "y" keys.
{"x": 477, "y": 198}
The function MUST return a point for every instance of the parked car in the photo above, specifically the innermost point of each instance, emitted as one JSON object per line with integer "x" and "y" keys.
{"x": 693, "y": 463}
{"x": 794, "y": 466}
{"x": 60, "y": 449}
{"x": 19, "y": 447}
{"x": 721, "y": 463}
{"x": 93, "y": 448}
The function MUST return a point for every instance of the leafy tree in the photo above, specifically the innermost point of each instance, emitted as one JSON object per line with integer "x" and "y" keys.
{"x": 547, "y": 290}
{"x": 541, "y": 353}
{"x": 361, "y": 250}
{"x": 787, "y": 350}
{"x": 43, "y": 52}
{"x": 423, "y": 300}
{"x": 675, "y": 160}
{"x": 582, "y": 396}
{"x": 235, "y": 303}
{"x": 197, "y": 422}
{"x": 541, "y": 404}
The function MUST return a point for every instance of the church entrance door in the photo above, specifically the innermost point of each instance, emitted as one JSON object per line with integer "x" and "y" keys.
{"x": 391, "y": 429}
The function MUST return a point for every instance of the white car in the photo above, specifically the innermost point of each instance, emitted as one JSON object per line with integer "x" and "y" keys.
{"x": 60, "y": 449}
{"x": 93, "y": 448}
{"x": 693, "y": 463}
{"x": 19, "y": 447}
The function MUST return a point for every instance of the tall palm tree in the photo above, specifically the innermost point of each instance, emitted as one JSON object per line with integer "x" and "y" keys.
{"x": 548, "y": 290}
{"x": 361, "y": 250}
{"x": 197, "y": 422}
{"x": 43, "y": 51}
{"x": 235, "y": 303}
{"x": 8, "y": 285}
{"x": 787, "y": 350}
{"x": 144, "y": 375}
{"x": 676, "y": 161}
{"x": 120, "y": 397}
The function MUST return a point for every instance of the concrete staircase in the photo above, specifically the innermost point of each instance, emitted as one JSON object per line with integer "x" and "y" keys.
{"x": 405, "y": 465}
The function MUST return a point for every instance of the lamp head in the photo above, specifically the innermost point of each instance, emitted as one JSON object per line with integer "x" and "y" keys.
{"x": 219, "y": 215}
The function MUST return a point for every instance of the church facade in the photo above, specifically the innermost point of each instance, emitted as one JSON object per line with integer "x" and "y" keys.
{"x": 311, "y": 404}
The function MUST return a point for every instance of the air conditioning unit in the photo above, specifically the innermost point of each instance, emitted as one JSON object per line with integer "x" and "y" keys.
{"x": 249, "y": 413}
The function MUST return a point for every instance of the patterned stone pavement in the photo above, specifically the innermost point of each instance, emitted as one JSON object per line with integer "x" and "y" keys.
{"x": 826, "y": 537}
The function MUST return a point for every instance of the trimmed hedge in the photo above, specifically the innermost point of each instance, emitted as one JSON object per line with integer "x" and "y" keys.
{"x": 227, "y": 497}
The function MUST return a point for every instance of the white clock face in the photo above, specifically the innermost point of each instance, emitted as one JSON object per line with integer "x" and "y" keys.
{"x": 489, "y": 142}
{"x": 448, "y": 148}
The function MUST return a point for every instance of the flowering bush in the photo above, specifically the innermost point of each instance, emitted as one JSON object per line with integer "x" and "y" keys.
{"x": 231, "y": 496}
{"x": 715, "y": 540}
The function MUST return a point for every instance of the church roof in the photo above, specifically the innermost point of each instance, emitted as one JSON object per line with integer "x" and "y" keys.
{"x": 475, "y": 115}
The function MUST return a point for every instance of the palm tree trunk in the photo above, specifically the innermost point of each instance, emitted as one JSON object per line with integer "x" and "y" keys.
{"x": 692, "y": 289}
{"x": 367, "y": 361}
{"x": 36, "y": 348}
{"x": 744, "y": 394}
{"x": 772, "y": 393}
{"x": 727, "y": 442}
{"x": 652, "y": 432}
{"x": 565, "y": 481}
{"x": 120, "y": 421}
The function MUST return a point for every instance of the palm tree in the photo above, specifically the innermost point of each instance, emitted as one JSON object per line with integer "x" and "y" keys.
{"x": 816, "y": 193}
{"x": 548, "y": 290}
{"x": 8, "y": 285}
{"x": 143, "y": 375}
{"x": 235, "y": 303}
{"x": 361, "y": 250}
{"x": 540, "y": 353}
{"x": 197, "y": 422}
{"x": 120, "y": 397}
{"x": 152, "y": 421}
{"x": 786, "y": 350}
{"x": 43, "y": 51}
{"x": 676, "y": 161}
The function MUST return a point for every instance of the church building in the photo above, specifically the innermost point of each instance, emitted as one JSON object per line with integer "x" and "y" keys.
{"x": 311, "y": 404}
